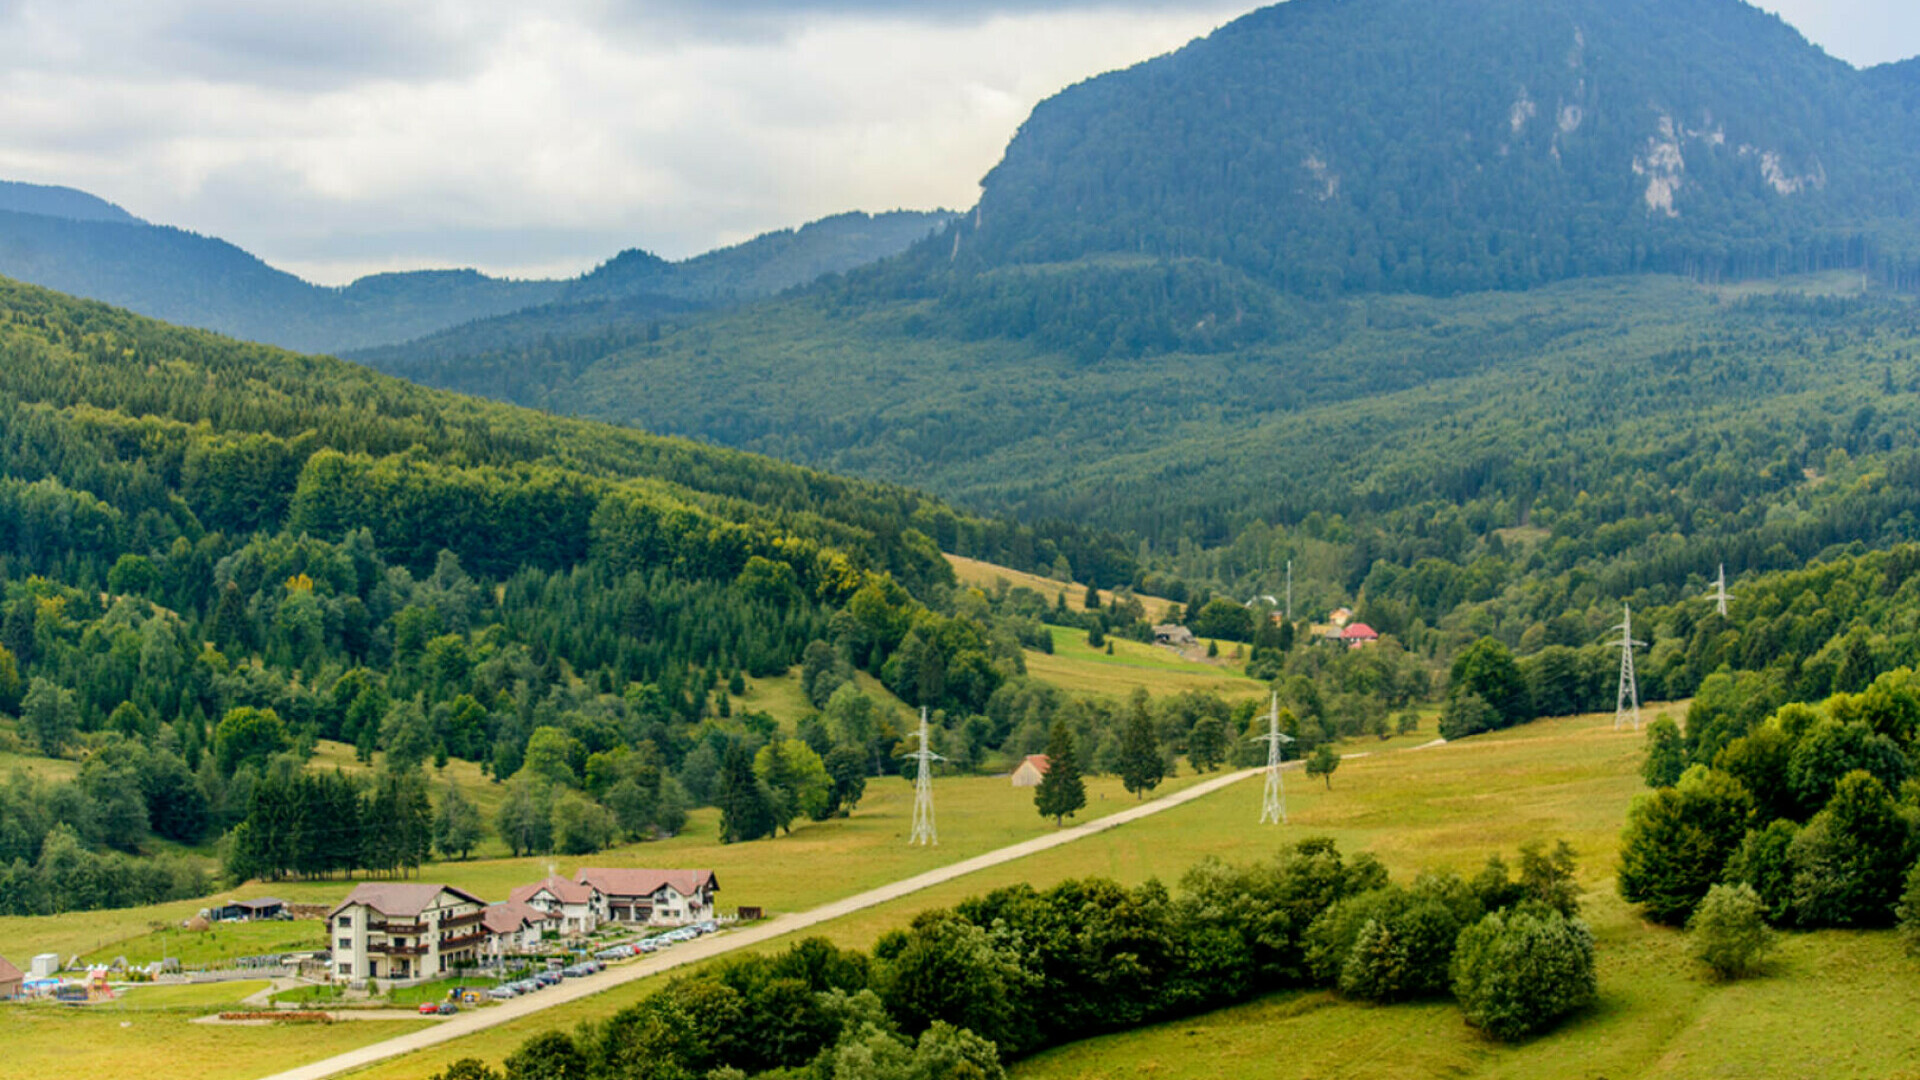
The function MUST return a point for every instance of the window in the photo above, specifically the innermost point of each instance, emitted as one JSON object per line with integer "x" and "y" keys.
{"x": 346, "y": 969}
{"x": 345, "y": 922}
{"x": 346, "y": 944}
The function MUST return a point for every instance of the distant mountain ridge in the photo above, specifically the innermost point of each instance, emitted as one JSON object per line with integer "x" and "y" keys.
{"x": 63, "y": 202}
{"x": 1446, "y": 146}
{"x": 73, "y": 242}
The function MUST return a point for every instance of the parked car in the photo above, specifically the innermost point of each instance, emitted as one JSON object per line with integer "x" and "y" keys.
{"x": 548, "y": 978}
{"x": 447, "y": 1008}
{"x": 502, "y": 993}
{"x": 428, "y": 1008}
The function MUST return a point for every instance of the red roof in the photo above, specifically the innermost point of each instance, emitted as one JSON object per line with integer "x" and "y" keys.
{"x": 509, "y": 917}
{"x": 565, "y": 891}
{"x": 1039, "y": 762}
{"x": 400, "y": 899}
{"x": 9, "y": 973}
{"x": 639, "y": 882}
{"x": 1359, "y": 632}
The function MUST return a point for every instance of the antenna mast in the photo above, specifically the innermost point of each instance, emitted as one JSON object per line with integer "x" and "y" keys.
{"x": 1627, "y": 703}
{"x": 1274, "y": 808}
{"x": 1289, "y": 590}
{"x": 1720, "y": 595}
{"x": 923, "y": 830}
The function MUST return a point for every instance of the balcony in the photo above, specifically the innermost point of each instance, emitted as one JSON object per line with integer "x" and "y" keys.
{"x": 461, "y": 941}
{"x": 397, "y": 928}
{"x": 387, "y": 948}
{"x": 462, "y": 920}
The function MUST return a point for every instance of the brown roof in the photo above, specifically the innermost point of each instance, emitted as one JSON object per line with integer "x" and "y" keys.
{"x": 509, "y": 917}
{"x": 9, "y": 973}
{"x": 565, "y": 891}
{"x": 402, "y": 898}
{"x": 638, "y": 882}
{"x": 1040, "y": 762}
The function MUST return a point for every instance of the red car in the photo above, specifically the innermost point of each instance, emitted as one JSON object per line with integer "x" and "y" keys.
{"x": 428, "y": 1008}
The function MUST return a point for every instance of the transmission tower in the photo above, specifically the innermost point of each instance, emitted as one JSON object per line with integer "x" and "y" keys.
{"x": 1274, "y": 808}
{"x": 1289, "y": 590}
{"x": 923, "y": 830}
{"x": 1627, "y": 703}
{"x": 1720, "y": 595}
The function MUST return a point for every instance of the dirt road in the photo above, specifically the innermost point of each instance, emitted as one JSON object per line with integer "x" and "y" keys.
{"x": 708, "y": 947}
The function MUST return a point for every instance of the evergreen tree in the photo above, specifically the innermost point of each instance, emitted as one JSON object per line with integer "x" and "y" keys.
{"x": 746, "y": 803}
{"x": 1142, "y": 766}
{"x": 456, "y": 825}
{"x": 1061, "y": 791}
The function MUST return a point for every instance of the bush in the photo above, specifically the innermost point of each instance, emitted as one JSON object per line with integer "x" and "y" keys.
{"x": 1678, "y": 840}
{"x": 1407, "y": 952}
{"x": 1763, "y": 863}
{"x": 1910, "y": 911}
{"x": 1516, "y": 973}
{"x": 1467, "y": 714}
{"x": 1729, "y": 931}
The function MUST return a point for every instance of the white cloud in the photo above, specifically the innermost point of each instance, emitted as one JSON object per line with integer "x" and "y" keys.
{"x": 528, "y": 139}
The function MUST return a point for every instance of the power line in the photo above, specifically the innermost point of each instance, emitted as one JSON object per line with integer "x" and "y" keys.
{"x": 923, "y": 828}
{"x": 1274, "y": 805}
{"x": 1627, "y": 702}
{"x": 1720, "y": 595}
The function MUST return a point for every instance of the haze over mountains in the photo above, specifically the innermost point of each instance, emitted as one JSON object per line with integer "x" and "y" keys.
{"x": 79, "y": 244}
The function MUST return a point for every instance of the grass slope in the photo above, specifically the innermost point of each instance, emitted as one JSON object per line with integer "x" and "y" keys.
{"x": 1077, "y": 666}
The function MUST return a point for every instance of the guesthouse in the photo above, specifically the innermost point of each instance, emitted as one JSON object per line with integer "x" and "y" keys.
{"x": 580, "y": 908}
{"x": 657, "y": 897}
{"x": 405, "y": 931}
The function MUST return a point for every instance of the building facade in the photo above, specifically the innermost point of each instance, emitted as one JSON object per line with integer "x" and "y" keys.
{"x": 405, "y": 931}
{"x": 652, "y": 897}
{"x": 578, "y": 907}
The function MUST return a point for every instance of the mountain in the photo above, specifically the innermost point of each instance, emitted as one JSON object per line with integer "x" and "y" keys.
{"x": 1444, "y": 146}
{"x": 75, "y": 243}
{"x": 1152, "y": 325}
{"x": 623, "y": 301}
{"x": 60, "y": 202}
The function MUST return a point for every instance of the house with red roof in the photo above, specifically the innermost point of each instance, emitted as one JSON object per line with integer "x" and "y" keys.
{"x": 515, "y": 927}
{"x": 402, "y": 930}
{"x": 1358, "y": 635}
{"x": 1031, "y": 771}
{"x": 579, "y": 907}
{"x": 656, "y": 897}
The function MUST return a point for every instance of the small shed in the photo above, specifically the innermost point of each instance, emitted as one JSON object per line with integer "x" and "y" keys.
{"x": 1173, "y": 634}
{"x": 11, "y": 980}
{"x": 267, "y": 907}
{"x": 46, "y": 965}
{"x": 1030, "y": 771}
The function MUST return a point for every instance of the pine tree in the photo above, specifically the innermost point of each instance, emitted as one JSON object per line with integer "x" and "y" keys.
{"x": 1061, "y": 791}
{"x": 1141, "y": 765}
{"x": 746, "y": 806}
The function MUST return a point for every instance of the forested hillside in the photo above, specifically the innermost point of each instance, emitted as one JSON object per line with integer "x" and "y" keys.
{"x": 214, "y": 554}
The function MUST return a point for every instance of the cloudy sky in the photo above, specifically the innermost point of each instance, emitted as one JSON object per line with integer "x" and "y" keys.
{"x": 339, "y": 137}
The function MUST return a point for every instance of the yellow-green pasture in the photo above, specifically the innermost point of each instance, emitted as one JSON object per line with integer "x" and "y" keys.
{"x": 154, "y": 1032}
{"x": 985, "y": 576}
{"x": 1833, "y": 1003}
{"x": 1077, "y": 666}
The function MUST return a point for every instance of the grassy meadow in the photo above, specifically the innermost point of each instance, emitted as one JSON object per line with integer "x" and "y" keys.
{"x": 985, "y": 576}
{"x": 1078, "y": 667}
{"x": 1832, "y": 1004}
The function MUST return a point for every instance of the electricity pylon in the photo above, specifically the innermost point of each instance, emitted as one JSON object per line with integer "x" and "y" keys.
{"x": 923, "y": 830}
{"x": 1627, "y": 702}
{"x": 1289, "y": 590}
{"x": 1274, "y": 808}
{"x": 1720, "y": 595}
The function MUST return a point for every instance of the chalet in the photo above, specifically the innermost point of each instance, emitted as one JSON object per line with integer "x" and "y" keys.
{"x": 1358, "y": 635}
{"x": 1030, "y": 771}
{"x": 579, "y": 907}
{"x": 1340, "y": 616}
{"x": 1175, "y": 635}
{"x": 514, "y": 928}
{"x": 653, "y": 896}
{"x": 11, "y": 980}
{"x": 266, "y": 907}
{"x": 406, "y": 931}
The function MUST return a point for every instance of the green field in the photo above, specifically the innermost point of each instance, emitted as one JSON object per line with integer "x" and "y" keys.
{"x": 223, "y": 941}
{"x": 1076, "y": 666}
{"x": 985, "y": 576}
{"x": 1834, "y": 1004}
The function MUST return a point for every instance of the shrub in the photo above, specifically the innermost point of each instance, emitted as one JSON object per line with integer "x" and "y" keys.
{"x": 1678, "y": 840}
{"x": 1467, "y": 714}
{"x": 1517, "y": 972}
{"x": 1910, "y": 911}
{"x": 1848, "y": 863}
{"x": 1729, "y": 931}
{"x": 1762, "y": 862}
{"x": 1405, "y": 954}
